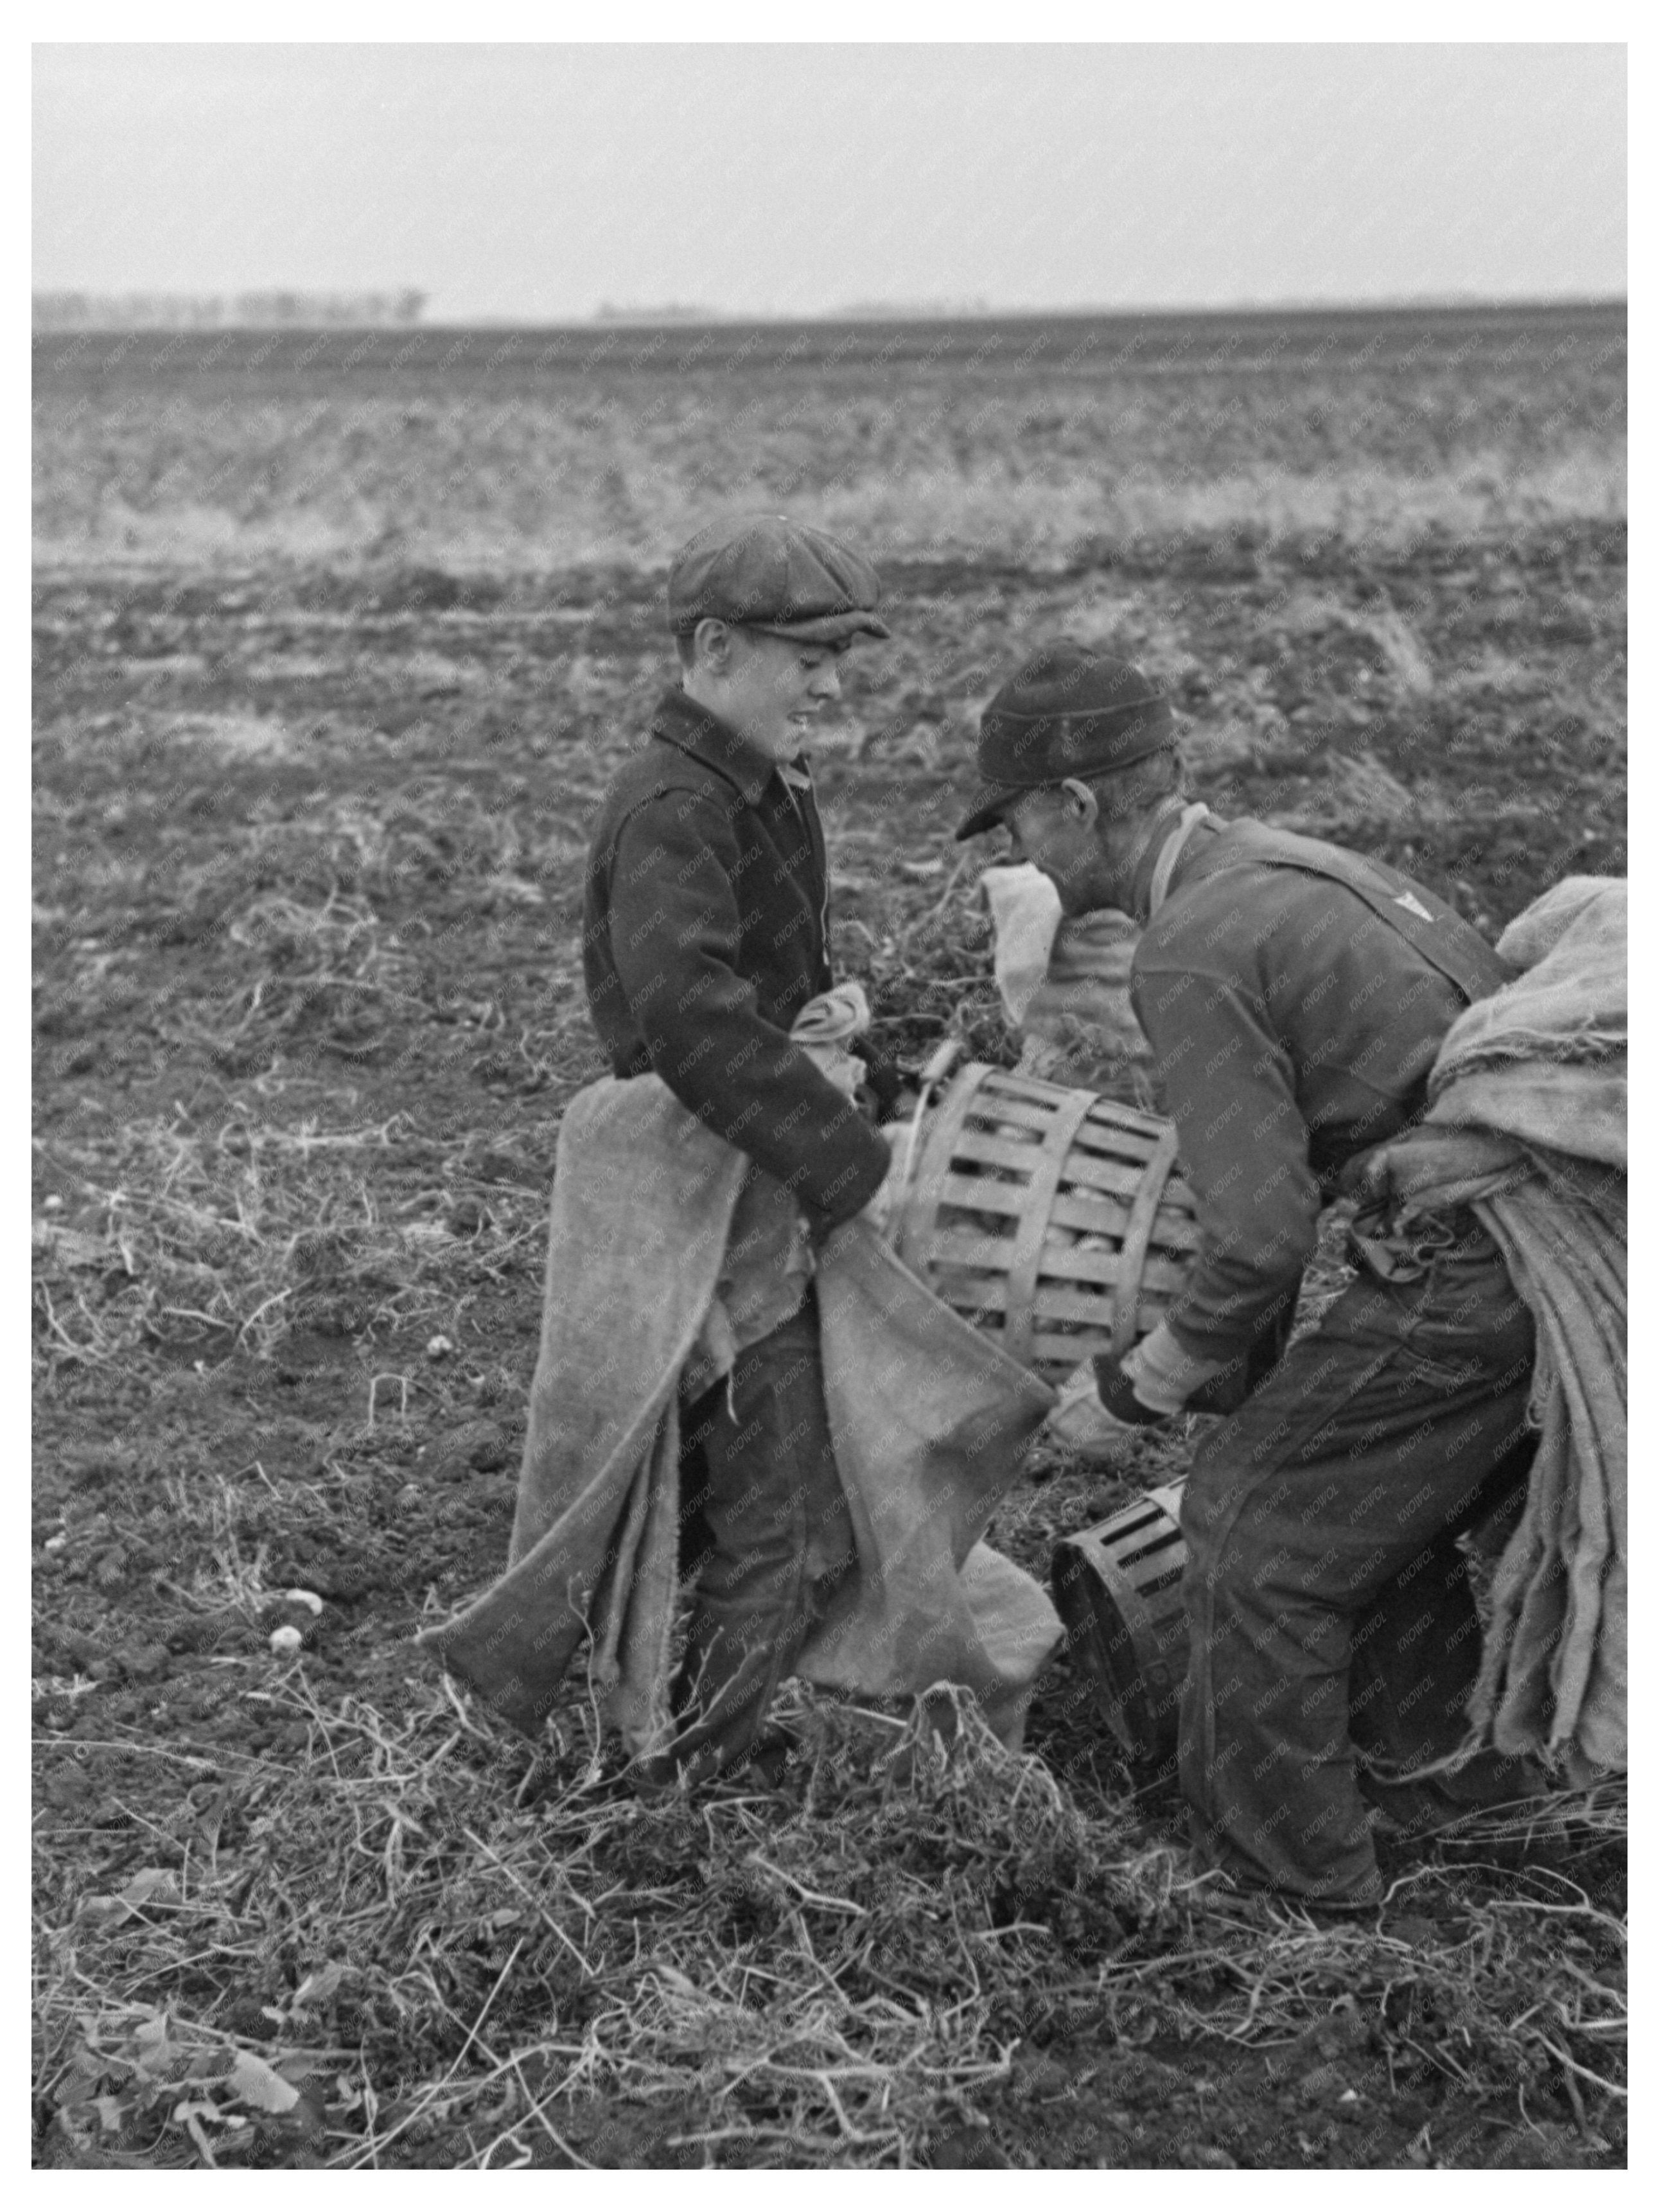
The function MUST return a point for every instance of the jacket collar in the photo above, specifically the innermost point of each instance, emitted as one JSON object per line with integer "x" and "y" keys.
{"x": 682, "y": 722}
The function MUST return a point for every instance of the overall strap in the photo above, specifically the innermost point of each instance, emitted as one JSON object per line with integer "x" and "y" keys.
{"x": 1452, "y": 946}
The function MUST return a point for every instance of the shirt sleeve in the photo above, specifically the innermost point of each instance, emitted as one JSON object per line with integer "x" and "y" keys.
{"x": 676, "y": 941}
{"x": 1227, "y": 1083}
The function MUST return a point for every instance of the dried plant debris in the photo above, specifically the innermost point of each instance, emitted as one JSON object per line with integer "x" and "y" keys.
{"x": 318, "y": 735}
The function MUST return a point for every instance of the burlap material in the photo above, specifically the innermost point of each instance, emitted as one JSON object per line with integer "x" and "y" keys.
{"x": 1064, "y": 981}
{"x": 928, "y": 1419}
{"x": 1528, "y": 1125}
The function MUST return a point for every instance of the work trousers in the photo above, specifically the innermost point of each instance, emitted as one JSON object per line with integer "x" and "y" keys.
{"x": 1334, "y": 1634}
{"x": 770, "y": 1538}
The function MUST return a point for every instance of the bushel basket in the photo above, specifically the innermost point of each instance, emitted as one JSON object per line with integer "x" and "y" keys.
{"x": 1117, "y": 1588}
{"x": 1051, "y": 1218}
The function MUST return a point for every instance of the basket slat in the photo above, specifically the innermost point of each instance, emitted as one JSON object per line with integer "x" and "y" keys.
{"x": 1062, "y": 1352}
{"x": 1100, "y": 1138}
{"x": 1094, "y": 1171}
{"x": 1011, "y": 1084}
{"x": 1158, "y": 1273}
{"x": 1056, "y": 1301}
{"x": 1020, "y": 1113}
{"x": 1088, "y": 1209}
{"x": 1107, "y": 1114}
{"x": 964, "y": 1248}
{"x": 990, "y": 1293}
{"x": 997, "y": 1151}
{"x": 1034, "y": 1223}
{"x": 1052, "y": 1302}
{"x": 971, "y": 1247}
{"x": 1129, "y": 1142}
{"x": 1136, "y": 1236}
{"x": 922, "y": 1209}
{"x": 1084, "y": 1211}
{"x": 984, "y": 1195}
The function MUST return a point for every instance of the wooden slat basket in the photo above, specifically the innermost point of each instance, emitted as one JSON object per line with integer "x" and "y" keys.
{"x": 1117, "y": 1588}
{"x": 1051, "y": 1218}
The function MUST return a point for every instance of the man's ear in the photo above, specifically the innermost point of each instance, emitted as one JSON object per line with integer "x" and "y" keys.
{"x": 1080, "y": 802}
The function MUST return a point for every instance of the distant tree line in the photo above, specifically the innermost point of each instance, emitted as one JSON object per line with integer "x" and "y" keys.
{"x": 675, "y": 310}
{"x": 186, "y": 310}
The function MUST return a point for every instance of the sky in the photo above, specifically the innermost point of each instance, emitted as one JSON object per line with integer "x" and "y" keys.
{"x": 537, "y": 183}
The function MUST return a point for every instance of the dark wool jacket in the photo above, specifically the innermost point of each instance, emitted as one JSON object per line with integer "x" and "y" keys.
{"x": 706, "y": 931}
{"x": 1293, "y": 1018}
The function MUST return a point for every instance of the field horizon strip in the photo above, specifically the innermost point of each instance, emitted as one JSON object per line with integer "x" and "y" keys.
{"x": 1403, "y": 330}
{"x": 476, "y": 449}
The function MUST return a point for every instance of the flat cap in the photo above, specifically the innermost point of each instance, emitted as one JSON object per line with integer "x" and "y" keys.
{"x": 766, "y": 572}
{"x": 1067, "y": 712}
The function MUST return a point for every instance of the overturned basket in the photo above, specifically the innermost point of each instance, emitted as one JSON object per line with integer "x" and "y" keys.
{"x": 1051, "y": 1218}
{"x": 1117, "y": 1587}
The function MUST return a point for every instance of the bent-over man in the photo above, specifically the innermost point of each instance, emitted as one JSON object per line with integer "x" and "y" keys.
{"x": 1294, "y": 995}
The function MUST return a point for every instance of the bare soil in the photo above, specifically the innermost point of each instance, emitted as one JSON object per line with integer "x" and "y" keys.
{"x": 307, "y": 857}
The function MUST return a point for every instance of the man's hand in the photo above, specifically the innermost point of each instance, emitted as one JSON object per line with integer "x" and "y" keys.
{"x": 1083, "y": 1422}
{"x": 1105, "y": 1402}
{"x": 876, "y": 1212}
{"x": 1161, "y": 1377}
{"x": 883, "y": 1211}
{"x": 1119, "y": 1390}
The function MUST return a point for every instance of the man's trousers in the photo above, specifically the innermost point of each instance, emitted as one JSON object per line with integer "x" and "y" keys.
{"x": 1334, "y": 1633}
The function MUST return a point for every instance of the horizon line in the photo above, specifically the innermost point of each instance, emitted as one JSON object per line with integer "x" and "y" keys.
{"x": 671, "y": 316}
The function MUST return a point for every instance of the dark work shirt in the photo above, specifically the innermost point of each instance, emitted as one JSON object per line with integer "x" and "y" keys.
{"x": 705, "y": 933}
{"x": 1291, "y": 1028}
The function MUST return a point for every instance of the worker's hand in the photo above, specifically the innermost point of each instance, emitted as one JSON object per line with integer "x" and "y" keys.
{"x": 1120, "y": 1393}
{"x": 1158, "y": 1377}
{"x": 884, "y": 1210}
{"x": 882, "y": 1082}
{"x": 1082, "y": 1421}
{"x": 879, "y": 1212}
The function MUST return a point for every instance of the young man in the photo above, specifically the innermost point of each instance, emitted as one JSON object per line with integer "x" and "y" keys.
{"x": 706, "y": 932}
{"x": 1294, "y": 996}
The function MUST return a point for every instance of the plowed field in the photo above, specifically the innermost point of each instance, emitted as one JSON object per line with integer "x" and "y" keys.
{"x": 336, "y": 646}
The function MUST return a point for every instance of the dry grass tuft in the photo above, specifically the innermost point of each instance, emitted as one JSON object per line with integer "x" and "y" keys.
{"x": 225, "y": 1236}
{"x": 434, "y": 1942}
{"x": 835, "y": 1969}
